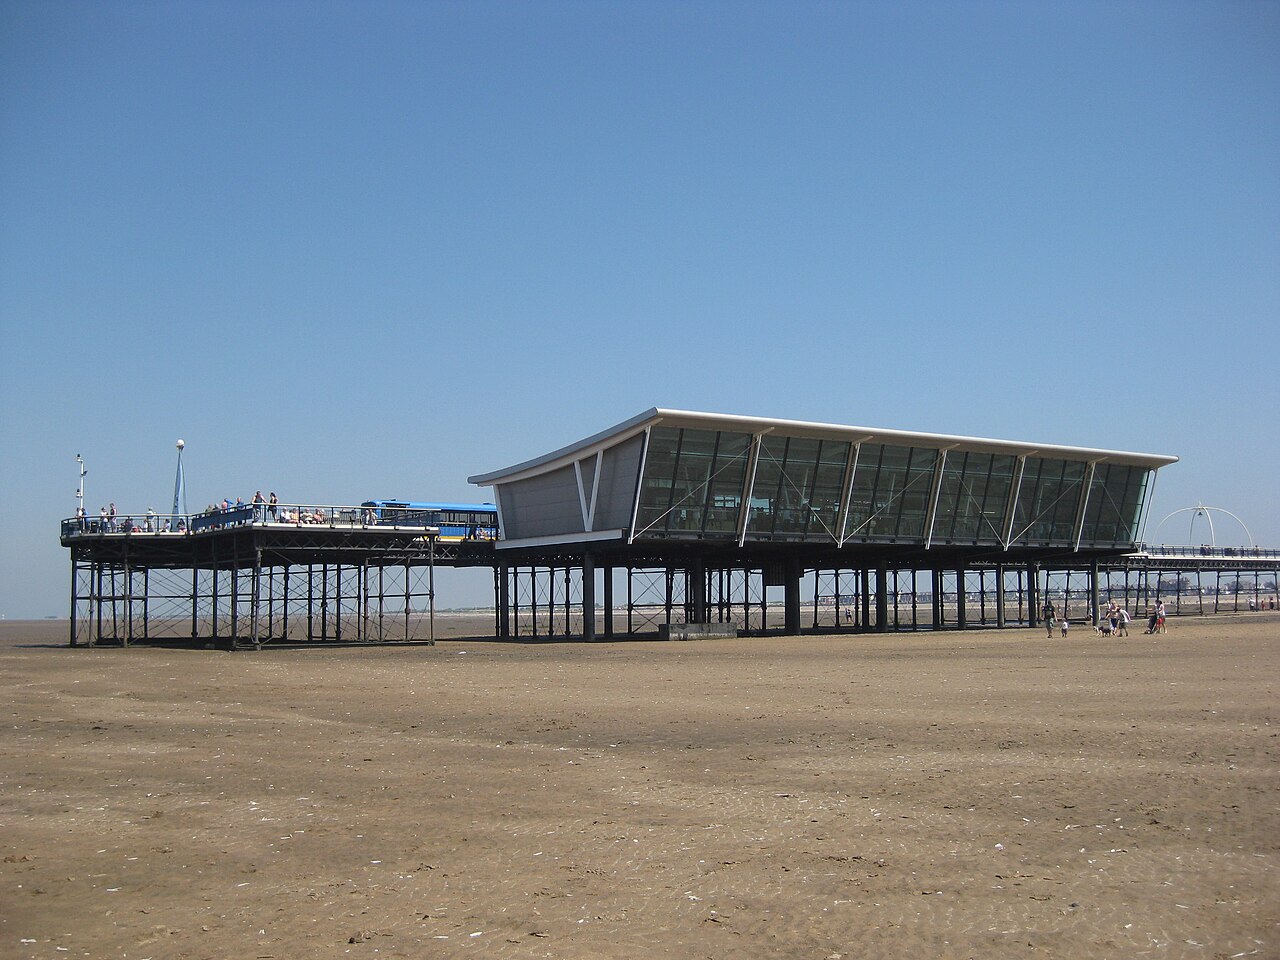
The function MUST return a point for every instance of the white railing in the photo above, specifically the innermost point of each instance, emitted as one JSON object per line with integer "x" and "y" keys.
{"x": 258, "y": 514}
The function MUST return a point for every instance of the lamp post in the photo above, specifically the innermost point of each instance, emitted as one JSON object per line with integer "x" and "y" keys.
{"x": 179, "y": 491}
{"x": 80, "y": 514}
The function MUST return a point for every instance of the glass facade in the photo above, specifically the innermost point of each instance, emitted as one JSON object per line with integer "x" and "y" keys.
{"x": 891, "y": 491}
{"x": 974, "y": 497}
{"x": 694, "y": 482}
{"x": 1048, "y": 501}
{"x": 797, "y": 488}
{"x": 1115, "y": 503}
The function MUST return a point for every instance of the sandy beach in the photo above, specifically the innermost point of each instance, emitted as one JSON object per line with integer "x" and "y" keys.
{"x": 984, "y": 794}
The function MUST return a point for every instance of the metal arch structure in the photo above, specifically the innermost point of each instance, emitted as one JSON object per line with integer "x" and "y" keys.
{"x": 1206, "y": 511}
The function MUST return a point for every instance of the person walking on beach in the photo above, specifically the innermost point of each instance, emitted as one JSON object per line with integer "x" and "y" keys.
{"x": 1156, "y": 620}
{"x": 1124, "y": 621}
{"x": 1050, "y": 616}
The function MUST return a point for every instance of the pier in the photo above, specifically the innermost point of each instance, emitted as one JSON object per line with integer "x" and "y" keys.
{"x": 239, "y": 579}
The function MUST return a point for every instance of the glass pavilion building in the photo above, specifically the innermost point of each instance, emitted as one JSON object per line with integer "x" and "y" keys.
{"x": 683, "y": 487}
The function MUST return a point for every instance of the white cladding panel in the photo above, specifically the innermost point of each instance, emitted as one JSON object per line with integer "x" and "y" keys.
{"x": 549, "y": 504}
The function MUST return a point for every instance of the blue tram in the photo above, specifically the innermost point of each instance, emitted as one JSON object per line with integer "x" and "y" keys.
{"x": 456, "y": 521}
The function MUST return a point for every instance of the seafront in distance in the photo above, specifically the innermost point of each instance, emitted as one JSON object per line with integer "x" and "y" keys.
{"x": 977, "y": 794}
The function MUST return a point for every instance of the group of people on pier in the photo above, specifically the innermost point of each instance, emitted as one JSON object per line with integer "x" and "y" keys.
{"x": 109, "y": 522}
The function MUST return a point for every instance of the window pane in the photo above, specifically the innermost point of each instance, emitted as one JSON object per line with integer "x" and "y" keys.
{"x": 694, "y": 467}
{"x": 724, "y": 490}
{"x": 826, "y": 490}
{"x": 891, "y": 488}
{"x": 964, "y": 481}
{"x": 797, "y": 478}
{"x": 1115, "y": 499}
{"x": 973, "y": 497}
{"x": 656, "y": 485}
{"x": 996, "y": 501}
{"x": 917, "y": 486}
{"x": 1048, "y": 500}
{"x": 766, "y": 502}
{"x": 857, "y": 522}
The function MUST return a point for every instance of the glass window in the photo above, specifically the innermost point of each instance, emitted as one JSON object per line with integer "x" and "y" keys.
{"x": 724, "y": 488}
{"x": 891, "y": 488}
{"x": 973, "y": 497}
{"x": 692, "y": 482}
{"x": 1047, "y": 501}
{"x": 656, "y": 485}
{"x": 1115, "y": 500}
{"x": 766, "y": 492}
{"x": 797, "y": 487}
{"x": 827, "y": 489}
{"x": 917, "y": 486}
{"x": 694, "y": 467}
{"x": 861, "y": 520}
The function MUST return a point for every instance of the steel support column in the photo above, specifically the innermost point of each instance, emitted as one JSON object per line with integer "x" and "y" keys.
{"x": 1000, "y": 618}
{"x": 608, "y": 602}
{"x": 1094, "y": 596}
{"x": 1033, "y": 595}
{"x": 882, "y": 597}
{"x": 588, "y": 596}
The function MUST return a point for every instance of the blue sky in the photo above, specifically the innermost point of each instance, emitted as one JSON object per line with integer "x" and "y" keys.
{"x": 353, "y": 250}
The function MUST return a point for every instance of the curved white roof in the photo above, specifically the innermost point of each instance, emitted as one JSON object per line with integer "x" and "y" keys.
{"x": 800, "y": 428}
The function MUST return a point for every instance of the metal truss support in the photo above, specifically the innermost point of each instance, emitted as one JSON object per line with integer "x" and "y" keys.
{"x": 246, "y": 588}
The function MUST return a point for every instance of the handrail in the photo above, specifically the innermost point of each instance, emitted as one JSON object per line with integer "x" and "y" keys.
{"x": 240, "y": 514}
{"x": 1202, "y": 550}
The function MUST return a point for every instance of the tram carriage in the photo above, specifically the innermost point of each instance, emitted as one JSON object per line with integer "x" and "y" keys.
{"x": 455, "y": 521}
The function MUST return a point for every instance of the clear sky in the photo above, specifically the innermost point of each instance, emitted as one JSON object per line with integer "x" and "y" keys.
{"x": 354, "y": 250}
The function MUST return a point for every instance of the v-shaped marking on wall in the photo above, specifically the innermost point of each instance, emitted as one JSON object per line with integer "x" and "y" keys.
{"x": 588, "y": 510}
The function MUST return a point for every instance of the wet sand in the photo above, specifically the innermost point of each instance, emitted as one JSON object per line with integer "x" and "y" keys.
{"x": 986, "y": 794}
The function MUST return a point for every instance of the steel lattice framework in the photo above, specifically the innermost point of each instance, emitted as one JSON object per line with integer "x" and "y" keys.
{"x": 254, "y": 583}
{"x": 250, "y": 583}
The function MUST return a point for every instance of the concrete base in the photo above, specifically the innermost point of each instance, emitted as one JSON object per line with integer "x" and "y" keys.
{"x": 695, "y": 631}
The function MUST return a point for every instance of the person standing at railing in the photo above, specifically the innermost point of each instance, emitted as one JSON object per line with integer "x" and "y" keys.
{"x": 102, "y": 519}
{"x": 271, "y": 506}
{"x": 111, "y": 518}
{"x": 82, "y": 521}
{"x": 258, "y": 504}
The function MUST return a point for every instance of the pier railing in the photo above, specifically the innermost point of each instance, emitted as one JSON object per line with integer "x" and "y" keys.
{"x": 244, "y": 514}
{"x": 1202, "y": 550}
